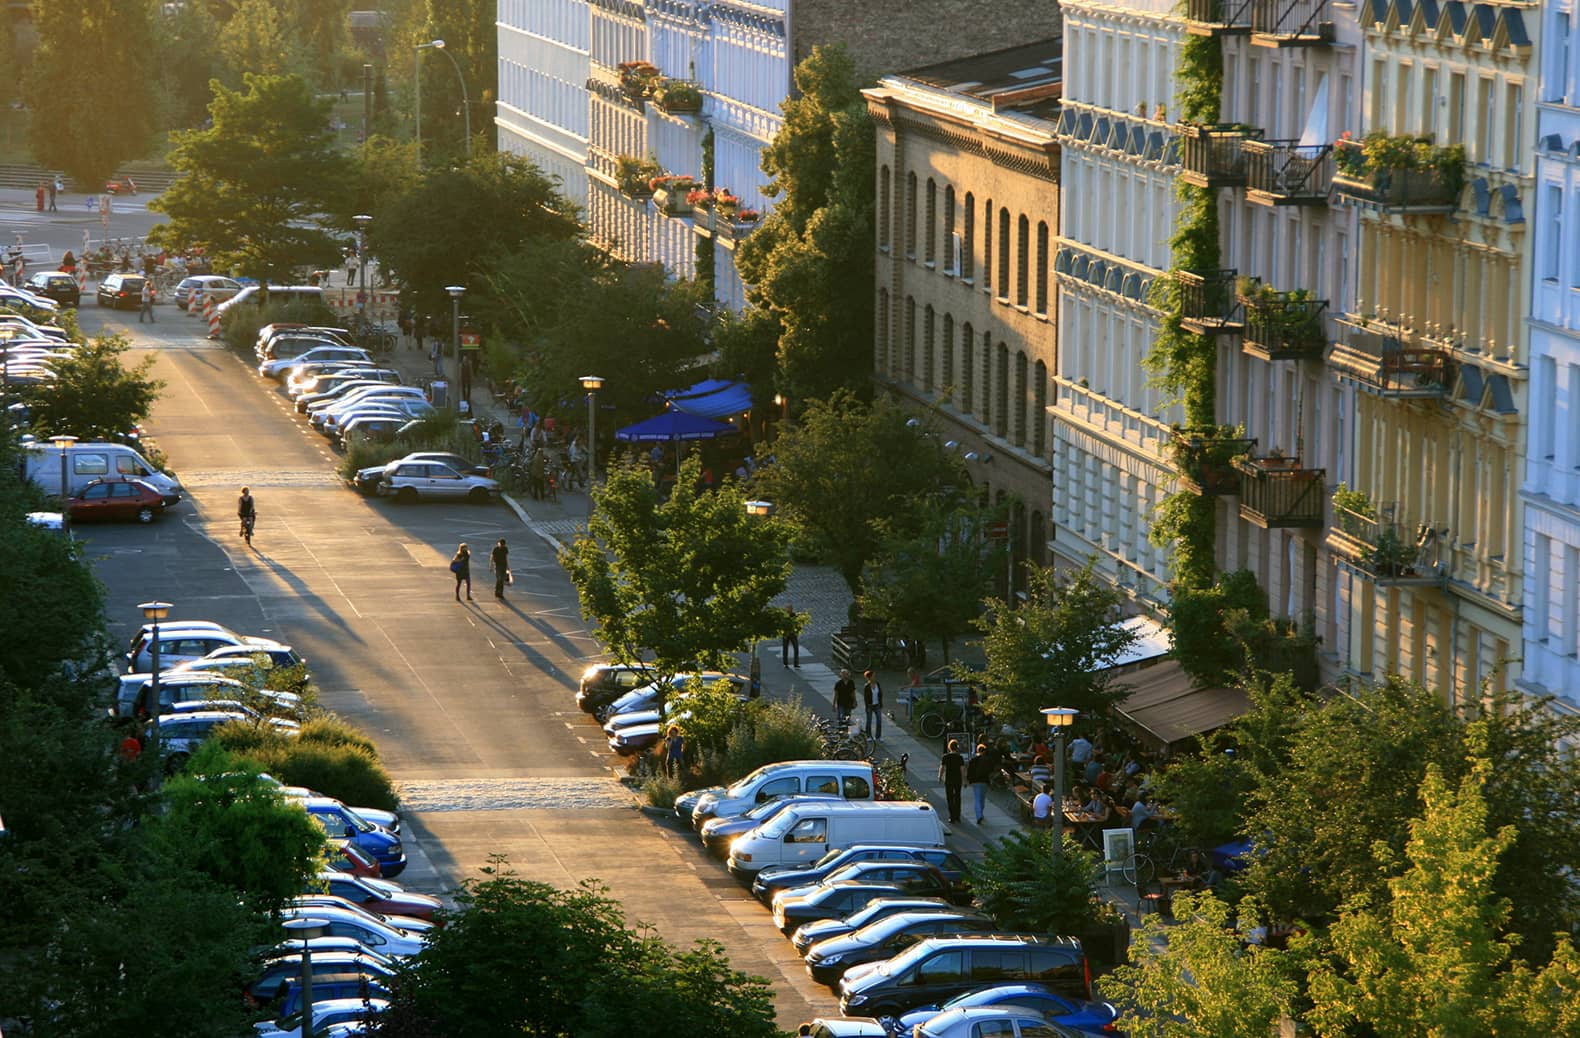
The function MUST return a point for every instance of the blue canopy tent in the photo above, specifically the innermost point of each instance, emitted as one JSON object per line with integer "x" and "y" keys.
{"x": 712, "y": 398}
{"x": 674, "y": 427}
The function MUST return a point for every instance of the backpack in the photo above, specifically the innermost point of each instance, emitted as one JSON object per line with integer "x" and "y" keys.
{"x": 455, "y": 565}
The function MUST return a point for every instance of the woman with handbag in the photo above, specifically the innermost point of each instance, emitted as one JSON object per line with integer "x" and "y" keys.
{"x": 461, "y": 566}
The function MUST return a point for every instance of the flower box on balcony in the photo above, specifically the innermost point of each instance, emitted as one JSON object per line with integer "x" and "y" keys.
{"x": 637, "y": 78}
{"x": 671, "y": 193}
{"x": 676, "y": 96}
{"x": 1204, "y": 459}
{"x": 1283, "y": 325}
{"x": 1278, "y": 492}
{"x": 634, "y": 177}
{"x": 1400, "y": 174}
{"x": 1390, "y": 553}
{"x": 1213, "y": 156}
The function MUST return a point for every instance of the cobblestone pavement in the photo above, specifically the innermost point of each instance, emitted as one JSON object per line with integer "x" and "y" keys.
{"x": 566, "y": 794}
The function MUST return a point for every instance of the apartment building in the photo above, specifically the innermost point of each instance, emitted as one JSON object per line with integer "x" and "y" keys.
{"x": 1551, "y": 650}
{"x": 968, "y": 210}
{"x": 543, "y": 69}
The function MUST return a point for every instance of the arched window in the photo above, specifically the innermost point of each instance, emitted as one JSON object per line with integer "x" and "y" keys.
{"x": 968, "y": 368}
{"x": 927, "y": 348}
{"x": 1001, "y": 391}
{"x": 968, "y": 255}
{"x": 987, "y": 244}
{"x": 946, "y": 377}
{"x": 910, "y": 216}
{"x": 885, "y": 350}
{"x": 951, "y": 246}
{"x": 1039, "y": 412}
{"x": 931, "y": 244}
{"x": 1020, "y": 398}
{"x": 1003, "y": 254}
{"x": 910, "y": 338}
{"x": 1022, "y": 262}
{"x": 884, "y": 202}
{"x": 987, "y": 377}
{"x": 1042, "y": 267}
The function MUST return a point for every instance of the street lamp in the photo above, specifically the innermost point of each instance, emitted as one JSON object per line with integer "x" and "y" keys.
{"x": 456, "y": 292}
{"x": 759, "y": 508}
{"x": 1059, "y": 718}
{"x": 466, "y": 104}
{"x": 62, "y": 442}
{"x": 362, "y": 220}
{"x": 154, "y": 612}
{"x": 592, "y": 383}
{"x": 305, "y": 930}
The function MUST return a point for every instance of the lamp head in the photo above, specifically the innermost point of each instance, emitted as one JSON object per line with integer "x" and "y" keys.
{"x": 456, "y": 291}
{"x": 63, "y": 441}
{"x": 306, "y": 929}
{"x": 1060, "y": 716}
{"x": 759, "y": 508}
{"x": 779, "y": 399}
{"x": 437, "y": 43}
{"x": 362, "y": 219}
{"x": 154, "y": 612}
{"x": 592, "y": 383}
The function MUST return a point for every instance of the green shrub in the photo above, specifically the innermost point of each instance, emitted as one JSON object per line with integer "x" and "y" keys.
{"x": 894, "y": 783}
{"x": 441, "y": 432}
{"x": 770, "y": 732}
{"x": 260, "y": 742}
{"x": 712, "y": 712}
{"x": 1024, "y": 888}
{"x": 238, "y": 328}
{"x": 342, "y": 771}
{"x": 332, "y": 731}
{"x": 661, "y": 790}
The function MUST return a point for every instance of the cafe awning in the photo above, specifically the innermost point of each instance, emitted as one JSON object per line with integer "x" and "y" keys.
{"x": 1168, "y": 708}
{"x": 730, "y": 398}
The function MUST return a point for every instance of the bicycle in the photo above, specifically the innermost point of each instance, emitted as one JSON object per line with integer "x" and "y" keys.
{"x": 247, "y": 524}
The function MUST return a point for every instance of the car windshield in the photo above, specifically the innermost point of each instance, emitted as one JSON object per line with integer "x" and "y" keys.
{"x": 829, "y": 858}
{"x": 744, "y": 786}
{"x": 357, "y": 820}
{"x": 771, "y": 807}
{"x": 777, "y": 826}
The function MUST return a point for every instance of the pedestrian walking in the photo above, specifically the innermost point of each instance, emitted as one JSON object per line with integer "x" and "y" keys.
{"x": 844, "y": 699}
{"x": 790, "y": 640}
{"x": 148, "y": 302}
{"x": 461, "y": 566}
{"x": 674, "y": 751}
{"x": 756, "y": 675}
{"x": 979, "y": 772}
{"x": 54, "y": 189}
{"x": 952, "y": 773}
{"x": 438, "y": 359}
{"x": 872, "y": 696}
{"x": 499, "y": 562}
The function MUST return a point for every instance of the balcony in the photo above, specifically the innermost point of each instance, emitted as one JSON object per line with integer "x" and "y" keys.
{"x": 1212, "y": 156}
{"x": 1208, "y": 304}
{"x": 1283, "y": 325}
{"x": 1400, "y": 174}
{"x": 1277, "y": 493}
{"x": 1388, "y": 552}
{"x": 1291, "y": 23}
{"x": 1218, "y": 17}
{"x": 1288, "y": 173}
{"x": 1204, "y": 460}
{"x": 1388, "y": 360}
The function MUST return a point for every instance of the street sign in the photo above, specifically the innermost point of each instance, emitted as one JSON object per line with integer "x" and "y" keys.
{"x": 998, "y": 531}
{"x": 470, "y": 340}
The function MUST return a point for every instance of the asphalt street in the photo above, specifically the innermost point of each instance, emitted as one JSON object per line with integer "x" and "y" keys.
{"x": 471, "y": 703}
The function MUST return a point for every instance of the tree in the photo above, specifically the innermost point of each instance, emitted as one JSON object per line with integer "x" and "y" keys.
{"x": 251, "y": 188}
{"x": 1051, "y": 648}
{"x": 683, "y": 582}
{"x": 1025, "y": 888}
{"x": 257, "y": 39}
{"x": 850, "y": 474}
{"x": 94, "y": 395}
{"x": 1200, "y": 978}
{"x": 902, "y": 584}
{"x": 185, "y": 60}
{"x": 471, "y": 36}
{"x": 91, "y": 89}
{"x": 810, "y": 262}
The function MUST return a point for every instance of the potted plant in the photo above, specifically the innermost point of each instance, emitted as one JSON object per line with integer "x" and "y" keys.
{"x": 747, "y": 216}
{"x": 636, "y": 78}
{"x": 634, "y": 176}
{"x": 700, "y": 198}
{"x": 671, "y": 193}
{"x": 1390, "y": 556}
{"x": 677, "y": 95}
{"x": 725, "y": 203}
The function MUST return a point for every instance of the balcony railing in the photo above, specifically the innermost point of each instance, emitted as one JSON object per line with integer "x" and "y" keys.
{"x": 1204, "y": 460}
{"x": 1418, "y": 189}
{"x": 1082, "y": 406}
{"x": 1277, "y": 493}
{"x": 1291, "y": 23}
{"x": 1212, "y": 156}
{"x": 1391, "y": 553}
{"x": 1284, "y": 325}
{"x": 1389, "y": 360}
{"x": 1208, "y": 304}
{"x": 1288, "y": 172}
{"x": 1218, "y": 17}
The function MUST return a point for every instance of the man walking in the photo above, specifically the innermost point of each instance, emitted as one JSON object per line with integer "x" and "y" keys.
{"x": 789, "y": 641}
{"x": 148, "y": 302}
{"x": 951, "y": 772}
{"x": 979, "y": 772}
{"x": 499, "y": 562}
{"x": 844, "y": 699}
{"x": 872, "y": 696}
{"x": 54, "y": 189}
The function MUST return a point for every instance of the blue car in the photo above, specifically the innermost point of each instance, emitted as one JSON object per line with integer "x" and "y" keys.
{"x": 342, "y": 823}
{"x": 778, "y": 877}
{"x": 1088, "y": 1017}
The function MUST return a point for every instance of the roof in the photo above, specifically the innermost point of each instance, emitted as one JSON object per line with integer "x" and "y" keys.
{"x": 1166, "y": 703}
{"x": 1029, "y": 77}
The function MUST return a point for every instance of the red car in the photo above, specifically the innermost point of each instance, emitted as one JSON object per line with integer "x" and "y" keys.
{"x": 116, "y": 499}
{"x": 354, "y": 861}
{"x": 122, "y": 185}
{"x": 380, "y": 895}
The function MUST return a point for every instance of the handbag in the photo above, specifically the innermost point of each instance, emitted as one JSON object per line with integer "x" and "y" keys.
{"x": 510, "y": 578}
{"x": 455, "y": 565}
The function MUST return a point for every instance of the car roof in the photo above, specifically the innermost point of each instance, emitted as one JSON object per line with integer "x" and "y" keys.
{"x": 202, "y": 715}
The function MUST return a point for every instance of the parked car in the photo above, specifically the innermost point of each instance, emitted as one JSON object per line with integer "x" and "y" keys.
{"x": 410, "y": 924}
{"x": 57, "y": 285}
{"x": 834, "y": 900}
{"x": 880, "y": 908}
{"x": 269, "y": 332}
{"x": 340, "y": 387}
{"x": 253, "y": 673}
{"x": 349, "y": 858}
{"x": 324, "y": 1014}
{"x": 780, "y": 877}
{"x": 309, "y": 391}
{"x": 328, "y": 986}
{"x": 410, "y": 481}
{"x": 281, "y": 971}
{"x": 403, "y": 408}
{"x": 278, "y": 655}
{"x": 310, "y": 372}
{"x": 212, "y": 286}
{"x": 342, "y": 823}
{"x": 940, "y": 968}
{"x": 110, "y": 499}
{"x": 15, "y": 326}
{"x": 330, "y": 945}
{"x": 235, "y": 706}
{"x": 651, "y": 697}
{"x": 807, "y": 831}
{"x": 318, "y": 413}
{"x": 906, "y": 874}
{"x": 602, "y": 683}
{"x": 280, "y": 367}
{"x": 182, "y": 640}
{"x": 369, "y": 429}
{"x": 853, "y": 780}
{"x": 1090, "y": 1017}
{"x": 34, "y": 307}
{"x": 121, "y": 291}
{"x": 181, "y": 734}
{"x": 380, "y": 895}
{"x": 369, "y": 480}
{"x": 133, "y": 697}
{"x": 1000, "y": 1021}
{"x": 719, "y": 833}
{"x": 387, "y": 820}
{"x": 375, "y": 935}
{"x": 827, "y": 961}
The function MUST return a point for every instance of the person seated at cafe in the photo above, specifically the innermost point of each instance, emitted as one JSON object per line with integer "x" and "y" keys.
{"x": 1198, "y": 872}
{"x": 1095, "y": 804}
{"x": 1040, "y": 748}
{"x": 1040, "y": 772}
{"x": 1131, "y": 794}
{"x": 1143, "y": 812}
{"x": 1042, "y": 808}
{"x": 1094, "y": 768}
{"x": 1105, "y": 779}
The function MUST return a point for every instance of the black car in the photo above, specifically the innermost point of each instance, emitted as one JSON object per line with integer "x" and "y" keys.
{"x": 780, "y": 877}
{"x": 121, "y": 291}
{"x": 939, "y": 968}
{"x": 906, "y": 874}
{"x": 834, "y": 900}
{"x": 881, "y": 908}
{"x": 603, "y": 683}
{"x": 57, "y": 285}
{"x": 827, "y": 961}
{"x": 281, "y": 972}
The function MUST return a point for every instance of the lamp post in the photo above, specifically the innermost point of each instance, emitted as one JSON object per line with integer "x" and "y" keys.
{"x": 1059, "y": 718}
{"x": 154, "y": 612}
{"x": 456, "y": 292}
{"x": 466, "y": 103}
{"x": 757, "y": 509}
{"x": 362, "y": 221}
{"x": 592, "y": 383}
{"x": 62, "y": 442}
{"x": 305, "y": 930}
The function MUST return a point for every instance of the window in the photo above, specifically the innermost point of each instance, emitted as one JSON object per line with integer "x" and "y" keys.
{"x": 932, "y": 221}
{"x": 987, "y": 375}
{"x": 857, "y": 788}
{"x": 884, "y": 202}
{"x": 1484, "y": 108}
{"x": 987, "y": 244}
{"x": 1456, "y": 106}
{"x": 968, "y": 256}
{"x": 995, "y": 964}
{"x": 968, "y": 352}
{"x": 1042, "y": 267}
{"x": 90, "y": 464}
{"x": 1050, "y": 965}
{"x": 946, "y": 373}
{"x": 1001, "y": 384}
{"x": 1429, "y": 102}
{"x": 993, "y": 1029}
{"x": 910, "y": 216}
{"x": 951, "y": 239}
{"x": 910, "y": 337}
{"x": 1020, "y": 398}
{"x": 1551, "y": 225}
{"x": 927, "y": 348}
{"x": 1514, "y": 127}
{"x": 1403, "y": 113}
{"x": 96, "y": 493}
{"x": 1023, "y": 261}
{"x": 945, "y": 967}
{"x": 1003, "y": 254}
{"x": 1039, "y": 410}
{"x": 1557, "y": 73}
{"x": 885, "y": 347}
{"x": 778, "y": 788}
{"x": 824, "y": 785}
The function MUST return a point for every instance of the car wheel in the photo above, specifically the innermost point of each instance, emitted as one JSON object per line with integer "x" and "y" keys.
{"x": 146, "y": 514}
{"x": 406, "y": 495}
{"x": 478, "y": 496}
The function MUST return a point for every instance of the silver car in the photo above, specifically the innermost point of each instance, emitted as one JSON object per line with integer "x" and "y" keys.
{"x": 281, "y": 367}
{"x": 409, "y": 481}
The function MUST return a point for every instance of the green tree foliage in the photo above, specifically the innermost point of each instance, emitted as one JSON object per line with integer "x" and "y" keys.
{"x": 680, "y": 582}
{"x": 95, "y": 394}
{"x": 91, "y": 87}
{"x": 902, "y": 584}
{"x": 252, "y": 187}
{"x": 259, "y": 40}
{"x": 1199, "y": 978}
{"x": 849, "y": 474}
{"x": 526, "y": 958}
{"x": 1024, "y": 888}
{"x": 453, "y": 224}
{"x": 185, "y": 60}
{"x": 809, "y": 264}
{"x": 712, "y": 711}
{"x": 328, "y": 756}
{"x": 320, "y": 26}
{"x": 471, "y": 36}
{"x": 1202, "y": 619}
{"x": 1051, "y": 648}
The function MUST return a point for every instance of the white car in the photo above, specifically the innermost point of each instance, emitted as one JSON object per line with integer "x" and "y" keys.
{"x": 212, "y": 286}
{"x": 329, "y": 1013}
{"x": 403, "y": 407}
{"x": 389, "y": 940}
{"x": 409, "y": 481}
{"x": 319, "y": 410}
{"x": 281, "y": 367}
{"x": 183, "y": 640}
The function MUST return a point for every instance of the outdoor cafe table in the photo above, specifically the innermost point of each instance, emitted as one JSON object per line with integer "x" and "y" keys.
{"x": 1088, "y": 825}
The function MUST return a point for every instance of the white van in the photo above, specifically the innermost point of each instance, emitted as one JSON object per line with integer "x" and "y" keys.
{"x": 803, "y": 832}
{"x": 848, "y": 779}
{"x": 86, "y": 462}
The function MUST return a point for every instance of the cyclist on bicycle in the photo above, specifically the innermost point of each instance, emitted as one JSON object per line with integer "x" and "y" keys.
{"x": 247, "y": 512}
